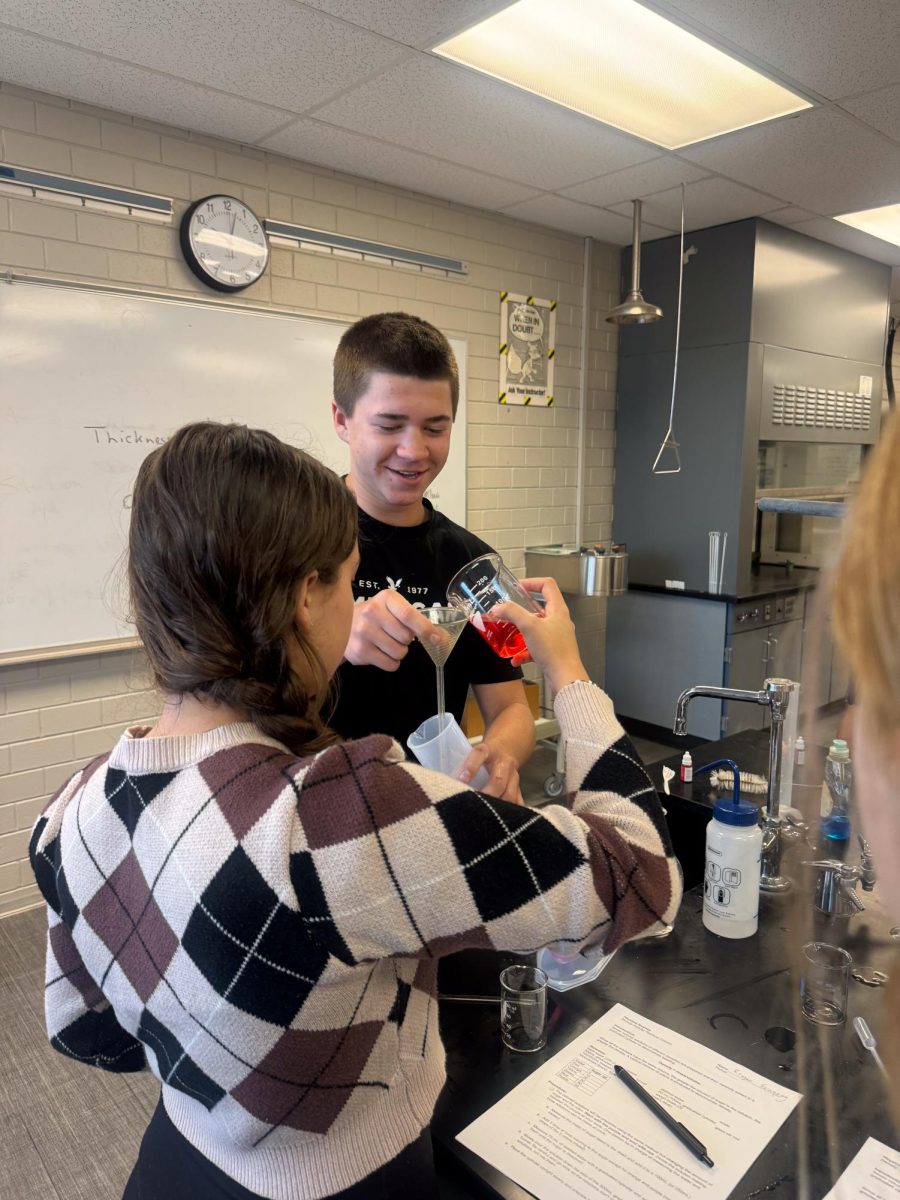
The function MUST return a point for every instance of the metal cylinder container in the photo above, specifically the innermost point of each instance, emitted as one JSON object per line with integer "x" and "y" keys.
{"x": 580, "y": 572}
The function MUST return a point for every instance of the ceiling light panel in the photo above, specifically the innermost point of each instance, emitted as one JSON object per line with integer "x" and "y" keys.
{"x": 624, "y": 65}
{"x": 882, "y": 223}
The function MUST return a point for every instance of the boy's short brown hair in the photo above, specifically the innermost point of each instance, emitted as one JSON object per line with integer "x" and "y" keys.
{"x": 395, "y": 343}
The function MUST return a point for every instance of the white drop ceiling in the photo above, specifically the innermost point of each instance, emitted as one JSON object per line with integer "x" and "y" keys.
{"x": 353, "y": 85}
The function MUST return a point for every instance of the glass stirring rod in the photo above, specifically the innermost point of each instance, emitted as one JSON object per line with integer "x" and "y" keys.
{"x": 867, "y": 1037}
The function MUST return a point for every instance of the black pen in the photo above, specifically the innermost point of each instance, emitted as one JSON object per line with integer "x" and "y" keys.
{"x": 684, "y": 1135}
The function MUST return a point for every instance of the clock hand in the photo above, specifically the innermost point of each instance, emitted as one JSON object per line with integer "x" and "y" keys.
{"x": 231, "y": 234}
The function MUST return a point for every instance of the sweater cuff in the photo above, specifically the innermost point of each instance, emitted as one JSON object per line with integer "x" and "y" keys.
{"x": 586, "y": 713}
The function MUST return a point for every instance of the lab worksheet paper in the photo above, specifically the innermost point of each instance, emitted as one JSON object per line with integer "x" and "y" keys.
{"x": 874, "y": 1174}
{"x": 572, "y": 1129}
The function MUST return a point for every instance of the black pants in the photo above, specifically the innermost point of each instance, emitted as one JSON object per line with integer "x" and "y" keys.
{"x": 170, "y": 1168}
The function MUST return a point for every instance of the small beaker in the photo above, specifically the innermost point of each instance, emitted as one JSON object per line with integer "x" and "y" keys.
{"x": 824, "y": 982}
{"x": 480, "y": 585}
{"x": 523, "y": 1008}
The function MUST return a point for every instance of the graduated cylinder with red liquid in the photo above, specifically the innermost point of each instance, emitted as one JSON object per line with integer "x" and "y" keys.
{"x": 479, "y": 587}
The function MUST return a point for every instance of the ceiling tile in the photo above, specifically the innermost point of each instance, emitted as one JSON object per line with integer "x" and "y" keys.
{"x": 634, "y": 183}
{"x": 834, "y": 47}
{"x": 78, "y": 75}
{"x": 709, "y": 202}
{"x": 560, "y": 213}
{"x": 438, "y": 107}
{"x": 880, "y": 109}
{"x": 790, "y": 215}
{"x": 421, "y": 23}
{"x": 827, "y": 230}
{"x": 820, "y": 159}
{"x": 241, "y": 71}
{"x": 316, "y": 142}
{"x": 283, "y": 54}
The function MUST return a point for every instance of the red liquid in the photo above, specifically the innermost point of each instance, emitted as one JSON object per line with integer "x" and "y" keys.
{"x": 502, "y": 637}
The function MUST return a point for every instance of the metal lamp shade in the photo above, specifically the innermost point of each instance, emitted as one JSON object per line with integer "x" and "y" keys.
{"x": 634, "y": 309}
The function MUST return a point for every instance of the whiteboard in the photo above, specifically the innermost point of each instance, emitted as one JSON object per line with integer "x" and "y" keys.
{"x": 90, "y": 381}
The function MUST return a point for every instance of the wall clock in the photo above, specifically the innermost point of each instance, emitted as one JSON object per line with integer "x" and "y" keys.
{"x": 224, "y": 243}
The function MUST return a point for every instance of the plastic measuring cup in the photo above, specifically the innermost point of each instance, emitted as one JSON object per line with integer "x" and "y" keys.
{"x": 440, "y": 744}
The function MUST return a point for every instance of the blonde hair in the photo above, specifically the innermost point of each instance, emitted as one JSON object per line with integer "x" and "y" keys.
{"x": 865, "y": 599}
{"x": 866, "y": 586}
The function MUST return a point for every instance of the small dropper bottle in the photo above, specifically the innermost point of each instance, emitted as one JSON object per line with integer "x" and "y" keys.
{"x": 687, "y": 767}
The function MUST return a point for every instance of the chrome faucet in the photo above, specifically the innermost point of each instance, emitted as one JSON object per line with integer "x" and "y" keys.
{"x": 866, "y": 865}
{"x": 776, "y": 696}
{"x": 835, "y": 891}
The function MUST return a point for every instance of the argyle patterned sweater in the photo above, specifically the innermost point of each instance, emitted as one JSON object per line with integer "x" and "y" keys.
{"x": 262, "y": 931}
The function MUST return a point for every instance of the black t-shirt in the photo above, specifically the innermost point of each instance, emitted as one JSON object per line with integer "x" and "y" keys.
{"x": 417, "y": 561}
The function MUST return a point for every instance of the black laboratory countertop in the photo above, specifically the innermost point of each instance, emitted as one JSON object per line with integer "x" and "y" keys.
{"x": 750, "y": 750}
{"x": 765, "y": 581}
{"x": 736, "y": 997}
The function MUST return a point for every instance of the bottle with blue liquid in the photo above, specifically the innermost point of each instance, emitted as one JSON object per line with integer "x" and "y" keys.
{"x": 837, "y": 795}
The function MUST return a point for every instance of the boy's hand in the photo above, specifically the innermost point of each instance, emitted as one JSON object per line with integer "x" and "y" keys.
{"x": 383, "y": 628}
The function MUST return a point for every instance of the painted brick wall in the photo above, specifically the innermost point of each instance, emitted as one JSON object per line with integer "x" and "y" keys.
{"x": 522, "y": 463}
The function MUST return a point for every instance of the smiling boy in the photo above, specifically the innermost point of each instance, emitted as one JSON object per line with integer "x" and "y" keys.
{"x": 396, "y": 389}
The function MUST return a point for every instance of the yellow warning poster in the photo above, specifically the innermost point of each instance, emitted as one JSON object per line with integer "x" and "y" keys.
{"x": 527, "y": 349}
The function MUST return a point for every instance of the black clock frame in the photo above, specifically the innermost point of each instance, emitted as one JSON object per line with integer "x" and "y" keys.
{"x": 190, "y": 257}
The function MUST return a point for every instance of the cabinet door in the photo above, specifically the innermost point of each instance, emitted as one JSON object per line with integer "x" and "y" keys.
{"x": 658, "y": 645}
{"x": 749, "y": 659}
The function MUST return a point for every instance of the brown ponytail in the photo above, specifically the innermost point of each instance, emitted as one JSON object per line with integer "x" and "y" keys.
{"x": 225, "y": 523}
